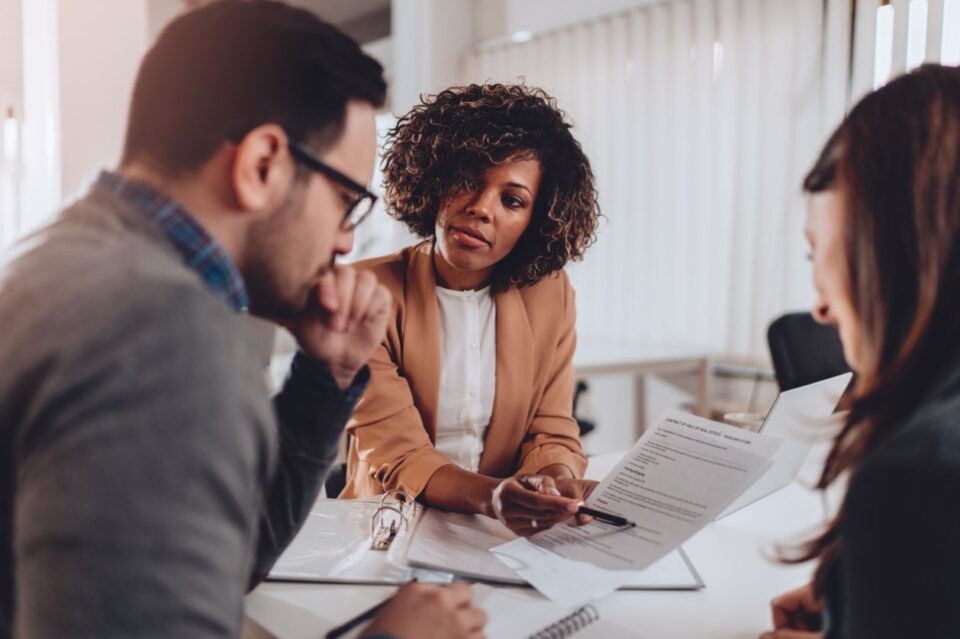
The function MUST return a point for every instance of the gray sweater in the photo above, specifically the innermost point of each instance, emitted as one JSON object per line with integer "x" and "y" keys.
{"x": 146, "y": 479}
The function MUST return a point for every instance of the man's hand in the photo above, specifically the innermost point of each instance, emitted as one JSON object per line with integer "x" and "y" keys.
{"x": 528, "y": 504}
{"x": 346, "y": 323}
{"x": 424, "y": 611}
{"x": 796, "y": 615}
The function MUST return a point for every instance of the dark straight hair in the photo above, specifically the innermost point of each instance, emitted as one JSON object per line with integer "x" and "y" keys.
{"x": 220, "y": 70}
{"x": 896, "y": 161}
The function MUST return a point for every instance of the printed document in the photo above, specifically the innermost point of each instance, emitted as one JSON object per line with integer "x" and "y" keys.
{"x": 675, "y": 480}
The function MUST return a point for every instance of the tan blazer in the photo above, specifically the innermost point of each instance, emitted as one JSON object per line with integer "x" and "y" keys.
{"x": 532, "y": 426}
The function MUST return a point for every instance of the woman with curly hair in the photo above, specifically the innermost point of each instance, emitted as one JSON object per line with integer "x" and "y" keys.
{"x": 469, "y": 407}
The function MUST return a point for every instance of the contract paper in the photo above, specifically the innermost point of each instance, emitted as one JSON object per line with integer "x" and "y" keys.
{"x": 675, "y": 480}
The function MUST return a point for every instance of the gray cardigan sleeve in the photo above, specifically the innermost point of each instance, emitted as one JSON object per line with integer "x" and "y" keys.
{"x": 140, "y": 489}
{"x": 311, "y": 414}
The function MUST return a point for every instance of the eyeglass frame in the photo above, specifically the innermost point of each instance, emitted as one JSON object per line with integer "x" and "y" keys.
{"x": 304, "y": 155}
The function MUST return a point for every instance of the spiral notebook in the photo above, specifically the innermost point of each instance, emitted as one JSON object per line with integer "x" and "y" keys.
{"x": 523, "y": 614}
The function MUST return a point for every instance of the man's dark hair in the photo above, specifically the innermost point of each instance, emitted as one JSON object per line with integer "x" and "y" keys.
{"x": 219, "y": 71}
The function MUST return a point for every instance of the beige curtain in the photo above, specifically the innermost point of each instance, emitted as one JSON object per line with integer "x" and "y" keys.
{"x": 701, "y": 118}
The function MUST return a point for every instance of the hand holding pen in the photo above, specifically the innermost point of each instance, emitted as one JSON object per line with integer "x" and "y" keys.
{"x": 569, "y": 487}
{"x": 529, "y": 504}
{"x": 580, "y": 489}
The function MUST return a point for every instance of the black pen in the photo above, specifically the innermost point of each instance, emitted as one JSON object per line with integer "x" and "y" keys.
{"x": 606, "y": 518}
{"x": 364, "y": 616}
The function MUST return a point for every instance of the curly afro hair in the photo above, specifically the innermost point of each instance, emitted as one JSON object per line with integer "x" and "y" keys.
{"x": 445, "y": 143}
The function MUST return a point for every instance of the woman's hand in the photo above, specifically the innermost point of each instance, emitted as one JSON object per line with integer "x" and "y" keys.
{"x": 558, "y": 479}
{"x": 528, "y": 504}
{"x": 796, "y": 615}
{"x": 578, "y": 489}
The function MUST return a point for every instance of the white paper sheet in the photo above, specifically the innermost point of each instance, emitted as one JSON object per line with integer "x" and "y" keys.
{"x": 566, "y": 582}
{"x": 799, "y": 416}
{"x": 673, "y": 482}
{"x": 461, "y": 544}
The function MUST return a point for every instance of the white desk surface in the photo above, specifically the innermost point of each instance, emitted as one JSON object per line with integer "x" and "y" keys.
{"x": 728, "y": 554}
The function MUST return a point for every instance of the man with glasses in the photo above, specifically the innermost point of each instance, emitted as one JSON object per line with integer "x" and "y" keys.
{"x": 363, "y": 201}
{"x": 147, "y": 479}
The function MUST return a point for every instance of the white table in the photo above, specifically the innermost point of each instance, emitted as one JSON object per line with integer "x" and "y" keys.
{"x": 728, "y": 555}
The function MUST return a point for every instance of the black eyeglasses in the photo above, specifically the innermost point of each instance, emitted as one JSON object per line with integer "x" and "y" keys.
{"x": 364, "y": 200}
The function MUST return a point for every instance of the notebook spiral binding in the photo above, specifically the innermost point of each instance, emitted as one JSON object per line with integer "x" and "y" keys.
{"x": 572, "y": 623}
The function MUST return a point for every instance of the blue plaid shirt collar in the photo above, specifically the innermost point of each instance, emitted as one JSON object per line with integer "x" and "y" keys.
{"x": 200, "y": 252}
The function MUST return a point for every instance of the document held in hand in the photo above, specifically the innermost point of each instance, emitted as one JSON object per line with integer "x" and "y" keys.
{"x": 675, "y": 480}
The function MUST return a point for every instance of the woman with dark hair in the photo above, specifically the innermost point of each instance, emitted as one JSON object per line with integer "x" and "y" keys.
{"x": 884, "y": 229}
{"x": 470, "y": 403}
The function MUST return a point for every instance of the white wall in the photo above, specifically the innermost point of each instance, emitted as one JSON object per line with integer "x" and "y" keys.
{"x": 159, "y": 13}
{"x": 39, "y": 164}
{"x": 101, "y": 44}
{"x": 10, "y": 59}
{"x": 498, "y": 18}
{"x": 429, "y": 40}
{"x": 11, "y": 102}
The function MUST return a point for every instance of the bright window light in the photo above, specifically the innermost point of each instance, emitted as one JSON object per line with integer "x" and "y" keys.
{"x": 521, "y": 36}
{"x": 883, "y": 51}
{"x": 917, "y": 34}
{"x": 717, "y": 58}
{"x": 950, "y": 45}
{"x": 10, "y": 134}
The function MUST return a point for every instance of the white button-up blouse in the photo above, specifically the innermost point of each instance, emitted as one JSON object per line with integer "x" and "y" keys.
{"x": 468, "y": 373}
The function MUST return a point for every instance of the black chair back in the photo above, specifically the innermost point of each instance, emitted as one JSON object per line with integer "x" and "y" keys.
{"x": 804, "y": 351}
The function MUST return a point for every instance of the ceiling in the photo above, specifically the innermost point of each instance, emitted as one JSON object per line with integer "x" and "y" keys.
{"x": 364, "y": 20}
{"x": 340, "y": 12}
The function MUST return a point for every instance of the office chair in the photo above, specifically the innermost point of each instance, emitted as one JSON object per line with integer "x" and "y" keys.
{"x": 336, "y": 481}
{"x": 585, "y": 425}
{"x": 804, "y": 351}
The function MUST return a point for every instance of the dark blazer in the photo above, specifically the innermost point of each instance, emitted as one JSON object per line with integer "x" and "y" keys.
{"x": 896, "y": 574}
